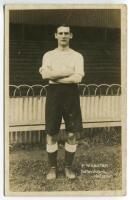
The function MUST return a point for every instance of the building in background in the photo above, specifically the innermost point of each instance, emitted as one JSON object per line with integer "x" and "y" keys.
{"x": 96, "y": 32}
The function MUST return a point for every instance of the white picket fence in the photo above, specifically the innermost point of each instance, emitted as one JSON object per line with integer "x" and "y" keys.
{"x": 102, "y": 108}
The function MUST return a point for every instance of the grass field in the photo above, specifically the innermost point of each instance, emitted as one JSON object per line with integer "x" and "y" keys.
{"x": 97, "y": 167}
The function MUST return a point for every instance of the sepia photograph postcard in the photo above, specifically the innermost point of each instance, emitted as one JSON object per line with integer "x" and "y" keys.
{"x": 65, "y": 99}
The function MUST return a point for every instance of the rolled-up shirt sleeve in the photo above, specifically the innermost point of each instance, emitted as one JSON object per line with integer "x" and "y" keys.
{"x": 45, "y": 66}
{"x": 79, "y": 65}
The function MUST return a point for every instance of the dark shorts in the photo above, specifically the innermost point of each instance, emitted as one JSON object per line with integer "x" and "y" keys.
{"x": 63, "y": 101}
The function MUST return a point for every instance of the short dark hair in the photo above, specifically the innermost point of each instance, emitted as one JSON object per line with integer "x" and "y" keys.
{"x": 64, "y": 25}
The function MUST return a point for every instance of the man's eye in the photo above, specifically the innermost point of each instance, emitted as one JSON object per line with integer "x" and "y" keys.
{"x": 65, "y": 33}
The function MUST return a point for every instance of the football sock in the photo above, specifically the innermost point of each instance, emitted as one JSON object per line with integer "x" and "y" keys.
{"x": 52, "y": 154}
{"x": 69, "y": 154}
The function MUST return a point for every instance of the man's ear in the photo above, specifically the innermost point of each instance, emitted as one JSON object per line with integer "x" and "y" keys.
{"x": 55, "y": 35}
{"x": 71, "y": 35}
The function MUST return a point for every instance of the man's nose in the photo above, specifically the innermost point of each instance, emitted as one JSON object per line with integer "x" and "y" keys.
{"x": 63, "y": 35}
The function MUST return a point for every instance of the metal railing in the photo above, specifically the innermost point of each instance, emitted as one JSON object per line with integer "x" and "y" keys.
{"x": 85, "y": 90}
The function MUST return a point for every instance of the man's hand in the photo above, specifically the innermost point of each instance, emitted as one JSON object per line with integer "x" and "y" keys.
{"x": 74, "y": 78}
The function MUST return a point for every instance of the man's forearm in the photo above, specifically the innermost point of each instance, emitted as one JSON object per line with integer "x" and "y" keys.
{"x": 52, "y": 75}
{"x": 75, "y": 78}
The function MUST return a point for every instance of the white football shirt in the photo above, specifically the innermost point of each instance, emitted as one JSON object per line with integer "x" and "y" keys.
{"x": 60, "y": 60}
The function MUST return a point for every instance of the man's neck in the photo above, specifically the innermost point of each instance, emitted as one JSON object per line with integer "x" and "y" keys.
{"x": 63, "y": 48}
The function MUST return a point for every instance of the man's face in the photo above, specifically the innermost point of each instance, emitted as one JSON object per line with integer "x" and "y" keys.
{"x": 63, "y": 36}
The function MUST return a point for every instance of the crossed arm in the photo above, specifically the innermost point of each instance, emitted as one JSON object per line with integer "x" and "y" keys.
{"x": 54, "y": 74}
{"x": 66, "y": 76}
{"x": 74, "y": 78}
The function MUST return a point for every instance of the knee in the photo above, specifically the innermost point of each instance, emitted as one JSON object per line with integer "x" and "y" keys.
{"x": 71, "y": 138}
{"x": 51, "y": 139}
{"x": 71, "y": 135}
